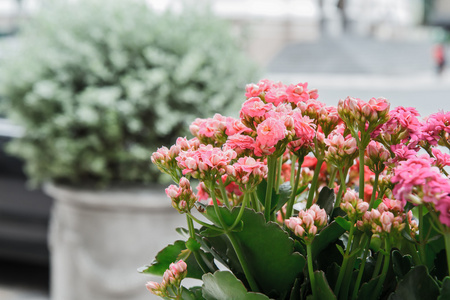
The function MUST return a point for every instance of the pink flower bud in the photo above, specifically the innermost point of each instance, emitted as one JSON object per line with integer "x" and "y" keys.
{"x": 184, "y": 183}
{"x": 312, "y": 230}
{"x": 152, "y": 286}
{"x": 362, "y": 207}
{"x": 299, "y": 231}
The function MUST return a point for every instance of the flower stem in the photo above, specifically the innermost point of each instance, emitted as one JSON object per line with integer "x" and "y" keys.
{"x": 342, "y": 186}
{"x": 224, "y": 193}
{"x": 202, "y": 223}
{"x": 343, "y": 269}
{"x": 290, "y": 204}
{"x": 387, "y": 257}
{"x": 374, "y": 192}
{"x": 216, "y": 206}
{"x": 332, "y": 177}
{"x": 198, "y": 257}
{"x": 272, "y": 166}
{"x": 278, "y": 175}
{"x": 293, "y": 161}
{"x": 310, "y": 268}
{"x": 422, "y": 241}
{"x": 366, "y": 243}
{"x": 361, "y": 167}
{"x": 241, "y": 212}
{"x": 447, "y": 248}
{"x": 312, "y": 189}
{"x": 243, "y": 262}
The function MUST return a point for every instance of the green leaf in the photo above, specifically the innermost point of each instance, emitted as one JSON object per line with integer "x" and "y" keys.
{"x": 328, "y": 235}
{"x": 224, "y": 285}
{"x": 267, "y": 249}
{"x": 416, "y": 285}
{"x": 326, "y": 199}
{"x": 401, "y": 264}
{"x": 193, "y": 293}
{"x": 366, "y": 292}
{"x": 445, "y": 289}
{"x": 171, "y": 254}
{"x": 323, "y": 290}
{"x": 343, "y": 223}
{"x": 192, "y": 244}
{"x": 164, "y": 258}
{"x": 295, "y": 292}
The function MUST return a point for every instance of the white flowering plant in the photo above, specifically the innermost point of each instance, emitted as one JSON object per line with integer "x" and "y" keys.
{"x": 98, "y": 85}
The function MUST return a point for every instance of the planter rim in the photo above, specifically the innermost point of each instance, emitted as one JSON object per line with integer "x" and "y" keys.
{"x": 133, "y": 198}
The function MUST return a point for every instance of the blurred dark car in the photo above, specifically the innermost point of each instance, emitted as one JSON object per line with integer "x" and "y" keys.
{"x": 24, "y": 213}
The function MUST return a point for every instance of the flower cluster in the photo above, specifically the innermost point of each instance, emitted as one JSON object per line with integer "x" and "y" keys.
{"x": 363, "y": 116}
{"x": 183, "y": 198}
{"x": 205, "y": 162}
{"x": 170, "y": 286}
{"x": 308, "y": 222}
{"x": 259, "y": 167}
{"x": 352, "y": 205}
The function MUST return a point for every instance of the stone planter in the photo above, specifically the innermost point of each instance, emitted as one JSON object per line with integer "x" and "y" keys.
{"x": 98, "y": 239}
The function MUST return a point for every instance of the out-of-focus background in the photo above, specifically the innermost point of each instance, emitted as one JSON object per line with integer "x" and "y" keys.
{"x": 372, "y": 48}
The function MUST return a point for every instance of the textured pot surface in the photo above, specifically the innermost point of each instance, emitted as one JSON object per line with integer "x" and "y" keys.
{"x": 98, "y": 239}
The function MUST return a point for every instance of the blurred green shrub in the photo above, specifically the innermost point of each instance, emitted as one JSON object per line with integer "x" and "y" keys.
{"x": 99, "y": 85}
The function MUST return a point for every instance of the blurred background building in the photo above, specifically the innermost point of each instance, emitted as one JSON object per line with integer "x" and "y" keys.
{"x": 364, "y": 49}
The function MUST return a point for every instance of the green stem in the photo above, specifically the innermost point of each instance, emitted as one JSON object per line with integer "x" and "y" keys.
{"x": 362, "y": 266}
{"x": 216, "y": 206}
{"x": 224, "y": 193}
{"x": 203, "y": 223}
{"x": 376, "y": 271}
{"x": 243, "y": 262}
{"x": 361, "y": 167}
{"x": 312, "y": 189}
{"x": 374, "y": 192}
{"x": 278, "y": 175}
{"x": 332, "y": 177}
{"x": 447, "y": 248}
{"x": 290, "y": 204}
{"x": 422, "y": 241}
{"x": 385, "y": 266}
{"x": 343, "y": 269}
{"x": 293, "y": 161}
{"x": 241, "y": 212}
{"x": 342, "y": 186}
{"x": 272, "y": 164}
{"x": 311, "y": 268}
{"x": 205, "y": 268}
{"x": 256, "y": 200}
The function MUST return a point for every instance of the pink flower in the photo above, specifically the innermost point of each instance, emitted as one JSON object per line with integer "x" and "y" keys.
{"x": 442, "y": 159}
{"x": 443, "y": 207}
{"x": 308, "y": 222}
{"x": 253, "y": 111}
{"x": 255, "y": 90}
{"x": 300, "y": 93}
{"x": 270, "y": 132}
{"x": 276, "y": 94}
{"x": 240, "y": 143}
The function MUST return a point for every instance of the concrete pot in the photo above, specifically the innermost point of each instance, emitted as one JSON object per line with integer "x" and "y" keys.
{"x": 98, "y": 239}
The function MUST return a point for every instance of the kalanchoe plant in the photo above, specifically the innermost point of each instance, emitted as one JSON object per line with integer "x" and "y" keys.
{"x": 379, "y": 230}
{"x": 97, "y": 87}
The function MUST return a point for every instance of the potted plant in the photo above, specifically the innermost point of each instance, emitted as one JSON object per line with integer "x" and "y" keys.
{"x": 301, "y": 200}
{"x": 96, "y": 86}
